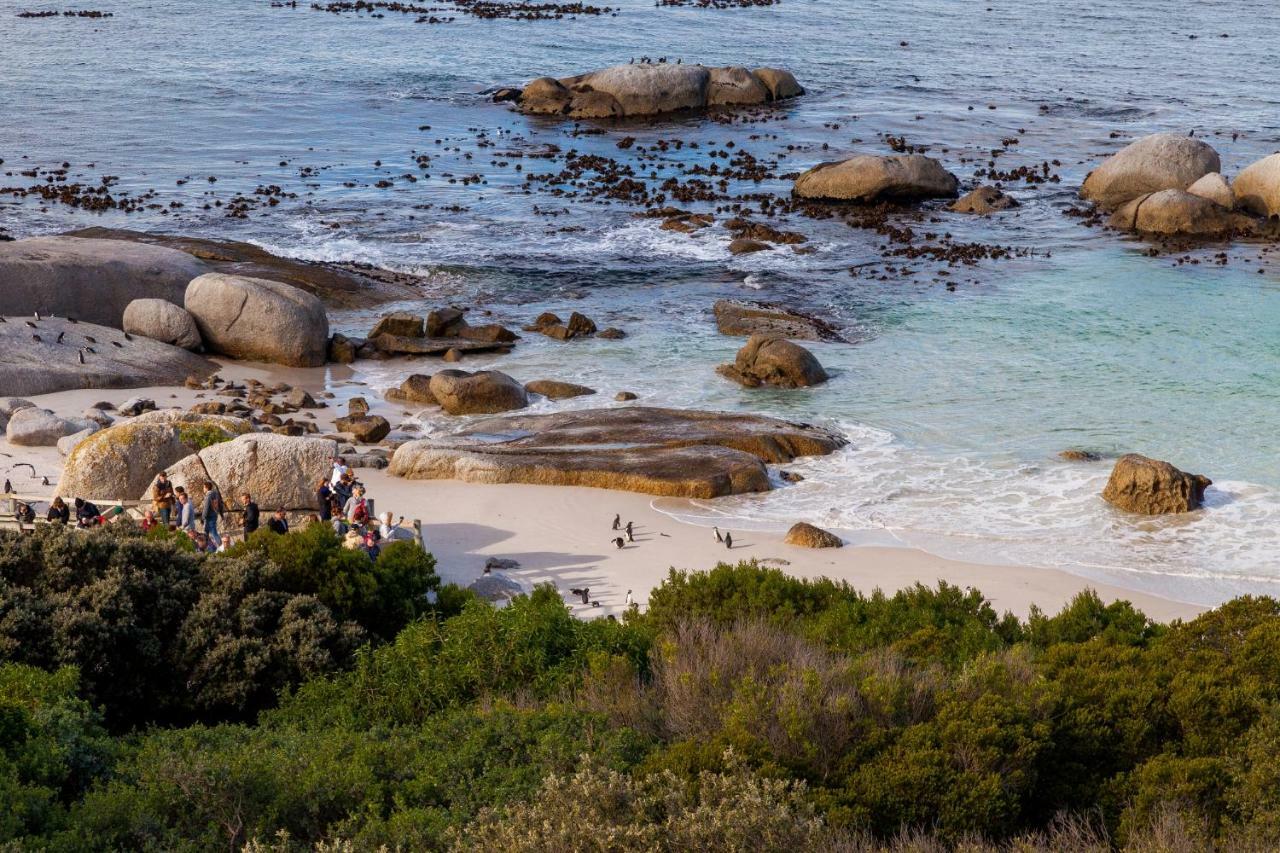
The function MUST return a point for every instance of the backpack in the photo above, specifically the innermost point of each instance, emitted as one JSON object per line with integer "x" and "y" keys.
{"x": 360, "y": 514}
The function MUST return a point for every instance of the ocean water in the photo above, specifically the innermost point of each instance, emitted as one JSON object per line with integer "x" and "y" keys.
{"x": 962, "y": 382}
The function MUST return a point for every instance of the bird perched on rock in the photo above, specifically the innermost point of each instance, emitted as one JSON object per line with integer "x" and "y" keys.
{"x": 617, "y": 522}
{"x": 728, "y": 540}
{"x": 72, "y": 320}
{"x": 619, "y": 542}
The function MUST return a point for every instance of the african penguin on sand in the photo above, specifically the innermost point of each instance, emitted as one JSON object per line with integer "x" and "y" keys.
{"x": 617, "y": 521}
{"x": 719, "y": 538}
{"x": 619, "y": 542}
{"x": 728, "y": 540}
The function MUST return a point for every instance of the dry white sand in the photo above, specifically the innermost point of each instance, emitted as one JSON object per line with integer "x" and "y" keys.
{"x": 562, "y": 535}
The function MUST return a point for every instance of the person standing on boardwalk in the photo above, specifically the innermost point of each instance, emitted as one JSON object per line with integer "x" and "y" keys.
{"x": 162, "y": 498}
{"x": 211, "y": 511}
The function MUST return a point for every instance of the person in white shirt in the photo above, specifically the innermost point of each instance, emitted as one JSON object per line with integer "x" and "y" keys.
{"x": 339, "y": 469}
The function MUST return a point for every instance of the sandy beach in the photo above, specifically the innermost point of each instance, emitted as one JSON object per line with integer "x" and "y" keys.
{"x": 563, "y": 535}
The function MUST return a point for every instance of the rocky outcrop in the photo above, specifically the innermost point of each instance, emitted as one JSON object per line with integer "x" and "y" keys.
{"x": 34, "y": 427}
{"x": 395, "y": 345}
{"x": 769, "y": 318}
{"x": 162, "y": 321}
{"x": 280, "y": 471}
{"x": 805, "y": 535}
{"x": 555, "y": 390}
{"x": 401, "y": 324}
{"x": 81, "y": 355}
{"x": 640, "y": 449}
{"x": 983, "y": 201}
{"x": 1161, "y": 161}
{"x": 747, "y": 246}
{"x": 259, "y": 320}
{"x": 483, "y": 393}
{"x": 869, "y": 177}
{"x": 89, "y": 280}
{"x": 341, "y": 285}
{"x": 119, "y": 463}
{"x": 1214, "y": 187}
{"x": 578, "y": 326}
{"x": 1152, "y": 487}
{"x": 776, "y": 362}
{"x": 646, "y": 89}
{"x": 1257, "y": 187}
{"x": 1177, "y": 212}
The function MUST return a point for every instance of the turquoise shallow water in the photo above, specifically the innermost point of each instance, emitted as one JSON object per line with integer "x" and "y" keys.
{"x": 957, "y": 401}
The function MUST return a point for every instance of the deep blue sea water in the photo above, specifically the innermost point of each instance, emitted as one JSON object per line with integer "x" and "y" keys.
{"x": 957, "y": 401}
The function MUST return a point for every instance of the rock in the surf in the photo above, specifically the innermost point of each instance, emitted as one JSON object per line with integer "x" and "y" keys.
{"x": 769, "y": 318}
{"x": 1152, "y": 487}
{"x": 805, "y": 535}
{"x": 1177, "y": 212}
{"x": 555, "y": 390}
{"x": 89, "y": 280}
{"x": 1215, "y": 187}
{"x": 482, "y": 393}
{"x": 365, "y": 429}
{"x": 1161, "y": 161}
{"x": 259, "y": 320}
{"x": 983, "y": 201}
{"x": 415, "y": 389}
{"x": 868, "y": 177}
{"x": 641, "y": 449}
{"x": 747, "y": 246}
{"x": 401, "y": 323}
{"x": 1257, "y": 187}
{"x": 119, "y": 463}
{"x": 776, "y": 362}
{"x": 162, "y": 321}
{"x": 645, "y": 89}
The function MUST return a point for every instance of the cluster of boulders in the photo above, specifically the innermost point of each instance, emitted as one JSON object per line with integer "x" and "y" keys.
{"x": 645, "y": 89}
{"x": 577, "y": 326}
{"x": 1171, "y": 185}
{"x": 484, "y": 392}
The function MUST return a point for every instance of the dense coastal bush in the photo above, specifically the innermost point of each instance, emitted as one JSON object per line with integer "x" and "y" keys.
{"x": 746, "y": 710}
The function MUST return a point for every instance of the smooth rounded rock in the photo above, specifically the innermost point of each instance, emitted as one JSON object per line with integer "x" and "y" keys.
{"x": 555, "y": 390}
{"x": 481, "y": 393}
{"x": 1257, "y": 187}
{"x": 1161, "y": 161}
{"x": 259, "y": 320}
{"x": 806, "y": 535}
{"x": 735, "y": 86}
{"x": 1176, "y": 212}
{"x": 32, "y": 427}
{"x": 773, "y": 361}
{"x": 1153, "y": 487}
{"x": 983, "y": 201}
{"x": 1215, "y": 188}
{"x": 162, "y": 321}
{"x": 869, "y": 177}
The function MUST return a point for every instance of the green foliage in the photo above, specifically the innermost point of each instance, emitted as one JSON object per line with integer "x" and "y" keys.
{"x": 1086, "y": 617}
{"x": 200, "y": 436}
{"x": 728, "y": 593}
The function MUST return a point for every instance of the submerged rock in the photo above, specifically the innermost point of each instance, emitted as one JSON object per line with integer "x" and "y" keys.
{"x": 869, "y": 177}
{"x": 656, "y": 451}
{"x": 984, "y": 200}
{"x": 770, "y": 318}
{"x": 64, "y": 358}
{"x": 1161, "y": 161}
{"x": 555, "y": 390}
{"x": 806, "y": 535}
{"x": 259, "y": 320}
{"x": 767, "y": 360}
{"x": 162, "y": 321}
{"x": 1152, "y": 487}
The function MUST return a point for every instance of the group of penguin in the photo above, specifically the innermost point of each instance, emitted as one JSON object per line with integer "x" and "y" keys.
{"x": 619, "y": 542}
{"x": 80, "y": 350}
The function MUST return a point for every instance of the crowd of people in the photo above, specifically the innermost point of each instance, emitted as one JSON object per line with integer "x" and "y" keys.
{"x": 341, "y": 501}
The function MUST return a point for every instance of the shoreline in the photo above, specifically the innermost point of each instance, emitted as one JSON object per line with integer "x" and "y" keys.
{"x": 562, "y": 533}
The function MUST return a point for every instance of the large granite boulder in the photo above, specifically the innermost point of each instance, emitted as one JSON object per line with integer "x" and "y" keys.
{"x": 768, "y": 318}
{"x": 365, "y": 429}
{"x": 281, "y": 472}
{"x": 485, "y": 392}
{"x": 869, "y": 177}
{"x": 119, "y": 463}
{"x": 1161, "y": 161}
{"x": 259, "y": 320}
{"x": 777, "y": 362}
{"x": 640, "y": 449}
{"x": 89, "y": 280}
{"x": 162, "y": 321}
{"x": 9, "y": 406}
{"x": 81, "y": 355}
{"x": 646, "y": 89}
{"x": 1177, "y": 212}
{"x": 341, "y": 285}
{"x": 1257, "y": 187}
{"x": 805, "y": 535}
{"x": 1152, "y": 487}
{"x": 34, "y": 427}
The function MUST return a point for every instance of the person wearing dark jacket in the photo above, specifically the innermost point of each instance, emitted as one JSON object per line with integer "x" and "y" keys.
{"x": 59, "y": 512}
{"x": 87, "y": 514}
{"x": 250, "y": 514}
{"x": 278, "y": 523}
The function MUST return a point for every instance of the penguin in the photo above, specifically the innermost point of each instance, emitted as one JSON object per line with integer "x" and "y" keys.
{"x": 32, "y": 325}
{"x": 619, "y": 542}
{"x": 90, "y": 340}
{"x": 37, "y": 313}
{"x": 617, "y": 522}
{"x": 91, "y": 349}
{"x": 8, "y": 487}
{"x": 630, "y": 600}
{"x": 44, "y": 481}
{"x": 37, "y": 339}
{"x": 719, "y": 538}
{"x": 72, "y": 320}
{"x": 3, "y": 320}
{"x": 586, "y": 595}
{"x": 630, "y": 536}
{"x": 80, "y": 355}
{"x": 595, "y": 603}
{"x": 60, "y": 337}
{"x": 128, "y": 337}
{"x": 728, "y": 540}
{"x": 117, "y": 344}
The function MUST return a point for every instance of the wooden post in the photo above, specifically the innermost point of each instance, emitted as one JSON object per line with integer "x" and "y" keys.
{"x": 417, "y": 533}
